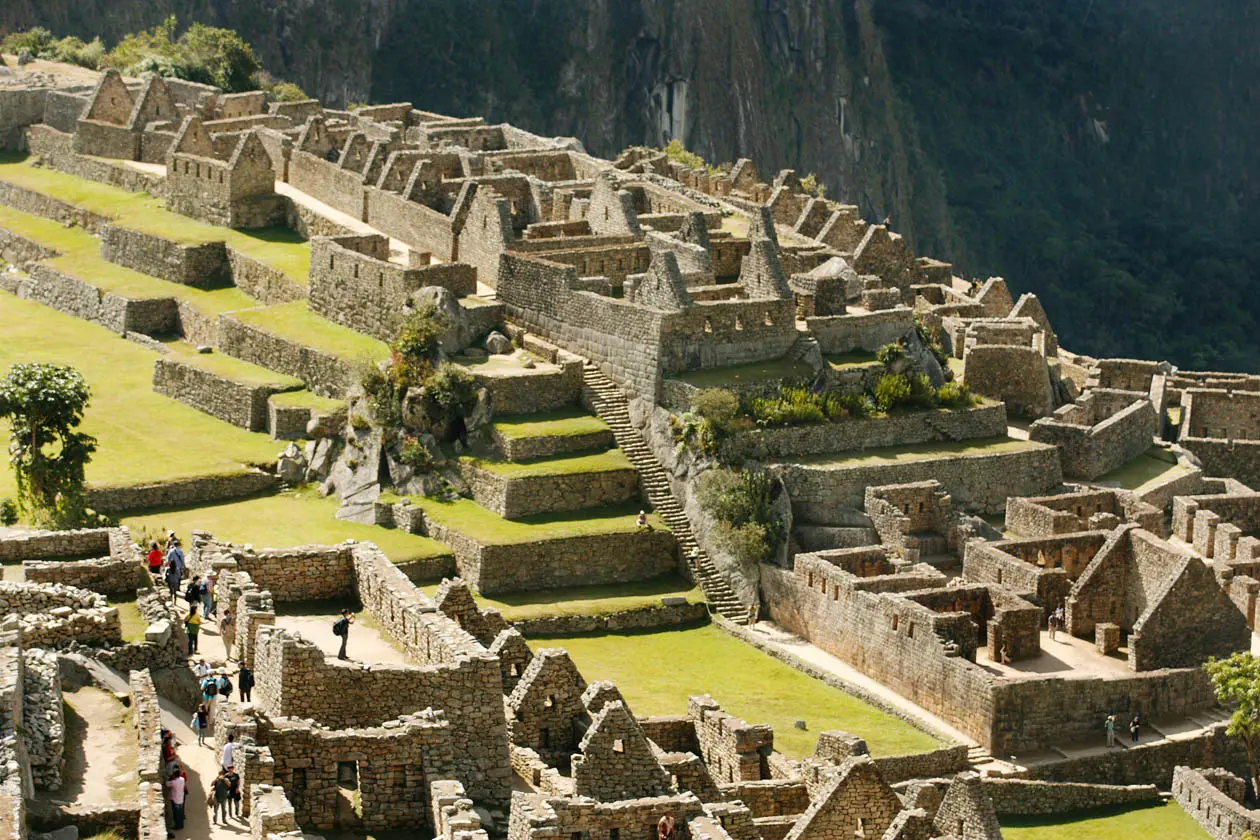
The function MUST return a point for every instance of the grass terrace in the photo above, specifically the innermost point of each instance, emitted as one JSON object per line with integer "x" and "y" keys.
{"x": 296, "y": 322}
{"x": 280, "y": 248}
{"x": 568, "y": 423}
{"x": 305, "y": 399}
{"x": 143, "y": 437}
{"x": 133, "y": 623}
{"x": 1155, "y": 464}
{"x": 853, "y": 359}
{"x": 291, "y": 518}
{"x": 746, "y": 682}
{"x": 749, "y": 374}
{"x": 1167, "y": 821}
{"x": 611, "y": 460}
{"x": 587, "y": 600}
{"x": 923, "y": 452}
{"x": 468, "y": 517}
{"x": 80, "y": 258}
{"x": 230, "y": 368}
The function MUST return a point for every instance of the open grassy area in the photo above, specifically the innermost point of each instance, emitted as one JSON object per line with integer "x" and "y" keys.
{"x": 283, "y": 520}
{"x": 737, "y": 375}
{"x": 143, "y": 437}
{"x": 922, "y": 452}
{"x": 468, "y": 517}
{"x": 1155, "y": 464}
{"x": 610, "y": 460}
{"x": 80, "y": 257}
{"x": 280, "y": 248}
{"x": 1166, "y": 821}
{"x": 568, "y": 423}
{"x": 657, "y": 672}
{"x": 233, "y": 369}
{"x": 296, "y": 322}
{"x": 588, "y": 600}
{"x": 294, "y": 399}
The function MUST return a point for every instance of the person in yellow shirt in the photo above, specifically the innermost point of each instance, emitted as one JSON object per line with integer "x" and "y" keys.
{"x": 192, "y": 625}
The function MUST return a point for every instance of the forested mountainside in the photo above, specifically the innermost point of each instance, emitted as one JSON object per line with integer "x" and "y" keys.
{"x": 1098, "y": 152}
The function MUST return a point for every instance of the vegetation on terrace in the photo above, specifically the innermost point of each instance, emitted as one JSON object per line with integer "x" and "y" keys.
{"x": 467, "y": 517}
{"x": 566, "y": 423}
{"x": 1166, "y": 821}
{"x": 143, "y": 437}
{"x": 587, "y": 600}
{"x": 231, "y": 368}
{"x": 296, "y": 322}
{"x": 611, "y": 460}
{"x": 293, "y": 517}
{"x": 746, "y": 682}
{"x": 921, "y": 452}
{"x": 280, "y": 248}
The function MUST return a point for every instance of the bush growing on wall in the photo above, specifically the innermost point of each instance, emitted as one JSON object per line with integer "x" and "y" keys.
{"x": 748, "y": 526}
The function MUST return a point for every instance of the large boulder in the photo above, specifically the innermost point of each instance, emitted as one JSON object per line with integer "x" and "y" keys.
{"x": 460, "y": 331}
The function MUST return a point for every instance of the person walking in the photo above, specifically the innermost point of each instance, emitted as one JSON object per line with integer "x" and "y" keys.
{"x": 220, "y": 792}
{"x": 225, "y": 686}
{"x": 172, "y": 576}
{"x": 227, "y": 631}
{"x": 193, "y": 593}
{"x": 245, "y": 682}
{"x": 207, "y": 593}
{"x": 175, "y": 555}
{"x": 200, "y": 723}
{"x": 192, "y": 626}
{"x": 154, "y": 559}
{"x": 227, "y": 758}
{"x": 1052, "y": 623}
{"x": 1135, "y": 727}
{"x": 341, "y": 627}
{"x": 209, "y": 690}
{"x": 234, "y": 792}
{"x": 177, "y": 787}
{"x": 1110, "y": 725}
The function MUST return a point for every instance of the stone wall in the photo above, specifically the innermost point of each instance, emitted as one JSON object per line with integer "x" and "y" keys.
{"x": 646, "y": 618}
{"x": 52, "y": 615}
{"x": 531, "y": 391}
{"x": 235, "y": 402}
{"x": 43, "y": 545}
{"x": 514, "y": 497}
{"x": 107, "y": 575}
{"x": 302, "y": 573}
{"x": 1090, "y": 450}
{"x": 44, "y": 722}
{"x": 860, "y": 330}
{"x": 323, "y": 373}
{"x": 187, "y": 492}
{"x": 1048, "y": 516}
{"x": 55, "y": 148}
{"x": 39, "y": 204}
{"x": 1022, "y": 796}
{"x": 78, "y": 297}
{"x": 203, "y": 265}
{"x": 15, "y": 770}
{"x": 535, "y": 817}
{"x": 19, "y": 250}
{"x": 1221, "y": 815}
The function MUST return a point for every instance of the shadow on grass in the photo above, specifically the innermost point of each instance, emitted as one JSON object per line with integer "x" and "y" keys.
{"x": 281, "y": 235}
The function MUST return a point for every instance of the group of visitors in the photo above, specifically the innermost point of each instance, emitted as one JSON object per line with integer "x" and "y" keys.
{"x": 1113, "y": 721}
{"x": 224, "y": 792}
{"x": 1057, "y": 621}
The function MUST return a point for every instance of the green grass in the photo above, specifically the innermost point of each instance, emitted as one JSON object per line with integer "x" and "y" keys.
{"x": 305, "y": 399}
{"x": 587, "y": 600}
{"x": 80, "y": 258}
{"x": 853, "y": 359}
{"x": 230, "y": 368}
{"x": 296, "y": 322}
{"x": 1154, "y": 464}
{"x": 283, "y": 520}
{"x": 280, "y": 248}
{"x": 737, "y": 375}
{"x": 569, "y": 423}
{"x": 468, "y": 517}
{"x": 133, "y": 623}
{"x": 923, "y": 451}
{"x": 1167, "y": 821}
{"x": 657, "y": 672}
{"x": 143, "y": 437}
{"x": 610, "y": 460}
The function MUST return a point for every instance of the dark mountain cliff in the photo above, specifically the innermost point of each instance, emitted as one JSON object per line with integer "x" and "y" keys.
{"x": 1098, "y": 152}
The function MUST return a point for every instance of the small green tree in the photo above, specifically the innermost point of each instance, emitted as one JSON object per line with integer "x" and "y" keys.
{"x": 1236, "y": 681}
{"x": 44, "y": 406}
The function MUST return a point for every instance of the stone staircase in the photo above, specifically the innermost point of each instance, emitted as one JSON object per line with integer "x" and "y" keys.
{"x": 609, "y": 403}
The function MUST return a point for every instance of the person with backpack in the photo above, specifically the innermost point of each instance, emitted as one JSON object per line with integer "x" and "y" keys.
{"x": 200, "y": 723}
{"x": 341, "y": 627}
{"x": 172, "y": 576}
{"x": 220, "y": 791}
{"x": 225, "y": 686}
{"x": 246, "y": 679}
{"x": 192, "y": 626}
{"x": 209, "y": 690}
{"x": 194, "y": 592}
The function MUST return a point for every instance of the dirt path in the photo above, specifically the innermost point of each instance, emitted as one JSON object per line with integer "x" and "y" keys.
{"x": 367, "y": 643}
{"x": 100, "y": 760}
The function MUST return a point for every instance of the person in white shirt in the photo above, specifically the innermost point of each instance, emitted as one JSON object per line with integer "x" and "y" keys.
{"x": 228, "y": 758}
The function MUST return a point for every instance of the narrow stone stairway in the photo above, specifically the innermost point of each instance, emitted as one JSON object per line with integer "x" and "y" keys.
{"x": 610, "y": 404}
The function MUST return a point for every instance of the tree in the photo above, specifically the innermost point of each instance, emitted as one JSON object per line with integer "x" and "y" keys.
{"x": 44, "y": 406}
{"x": 1236, "y": 681}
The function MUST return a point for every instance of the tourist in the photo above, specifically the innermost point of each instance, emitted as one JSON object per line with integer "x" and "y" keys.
{"x": 1110, "y": 726}
{"x": 1051, "y": 622}
{"x": 200, "y": 723}
{"x": 227, "y": 631}
{"x": 175, "y": 557}
{"x": 192, "y": 626}
{"x": 246, "y": 683}
{"x": 665, "y": 828}
{"x": 170, "y": 758}
{"x": 1005, "y": 655}
{"x": 193, "y": 593}
{"x": 201, "y": 669}
{"x": 642, "y": 521}
{"x": 234, "y": 794}
{"x": 227, "y": 758}
{"x": 173, "y": 577}
{"x": 225, "y": 686}
{"x": 341, "y": 627}
{"x": 207, "y": 593}
{"x": 1060, "y": 618}
{"x": 177, "y": 787}
{"x": 1135, "y": 727}
{"x": 154, "y": 558}
{"x": 209, "y": 689}
{"x": 220, "y": 790}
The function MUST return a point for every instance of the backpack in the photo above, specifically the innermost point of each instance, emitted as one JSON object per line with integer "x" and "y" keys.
{"x": 210, "y": 687}
{"x": 225, "y": 686}
{"x": 340, "y": 626}
{"x": 191, "y": 594}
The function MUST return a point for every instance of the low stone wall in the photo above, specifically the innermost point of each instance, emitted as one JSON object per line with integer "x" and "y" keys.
{"x": 1090, "y": 451}
{"x": 203, "y": 265}
{"x": 52, "y": 615}
{"x": 323, "y": 373}
{"x": 982, "y": 421}
{"x": 1222, "y": 816}
{"x": 262, "y": 282}
{"x": 164, "y": 646}
{"x": 56, "y": 150}
{"x": 42, "y": 545}
{"x": 514, "y": 497}
{"x": 234, "y": 402}
{"x": 73, "y": 296}
{"x": 15, "y": 771}
{"x": 532, "y": 393}
{"x": 304, "y": 573}
{"x": 20, "y": 250}
{"x": 932, "y": 764}
{"x": 90, "y": 819}
{"x": 181, "y": 492}
{"x": 644, "y": 618}
{"x": 524, "y": 449}
{"x": 106, "y": 576}
{"x": 39, "y": 204}
{"x": 144, "y": 701}
{"x": 860, "y": 331}
{"x": 1238, "y": 459}
{"x": 42, "y": 715}
{"x": 1021, "y": 796}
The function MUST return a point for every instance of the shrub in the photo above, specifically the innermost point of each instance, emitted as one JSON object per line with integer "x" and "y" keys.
{"x": 891, "y": 390}
{"x": 384, "y": 395}
{"x": 738, "y": 500}
{"x": 450, "y": 388}
{"x": 415, "y": 454}
{"x": 796, "y": 405}
{"x": 359, "y": 423}
{"x": 8, "y": 512}
{"x": 811, "y": 186}
{"x": 890, "y": 353}
{"x": 34, "y": 41}
{"x": 287, "y": 92}
{"x": 718, "y": 406}
{"x": 922, "y": 394}
{"x": 931, "y": 339}
{"x": 748, "y": 543}
{"x": 675, "y": 152}
{"x": 956, "y": 395}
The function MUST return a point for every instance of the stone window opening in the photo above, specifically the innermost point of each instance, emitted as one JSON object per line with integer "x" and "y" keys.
{"x": 550, "y": 701}
{"x": 835, "y": 592}
{"x": 920, "y": 507}
{"x": 739, "y": 324}
{"x": 544, "y": 738}
{"x": 768, "y": 321}
{"x": 906, "y": 509}
{"x": 809, "y": 580}
{"x": 577, "y": 835}
{"x": 708, "y": 326}
{"x": 614, "y": 834}
{"x": 332, "y": 260}
{"x": 895, "y": 620}
{"x": 619, "y": 746}
{"x": 910, "y": 630}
